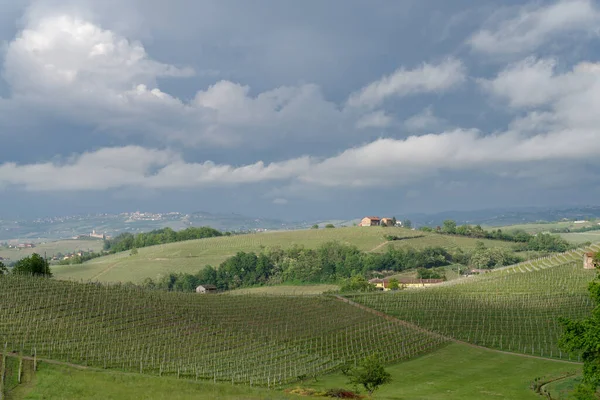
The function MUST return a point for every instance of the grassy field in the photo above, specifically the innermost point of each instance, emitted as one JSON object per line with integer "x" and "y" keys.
{"x": 545, "y": 227}
{"x": 592, "y": 236}
{"x": 191, "y": 256}
{"x": 512, "y": 309}
{"x": 68, "y": 383}
{"x": 287, "y": 290}
{"x": 461, "y": 372}
{"x": 52, "y": 248}
{"x": 451, "y": 373}
{"x": 259, "y": 340}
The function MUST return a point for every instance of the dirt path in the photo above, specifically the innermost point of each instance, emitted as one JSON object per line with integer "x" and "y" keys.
{"x": 374, "y": 249}
{"x": 450, "y": 339}
{"x": 110, "y": 267}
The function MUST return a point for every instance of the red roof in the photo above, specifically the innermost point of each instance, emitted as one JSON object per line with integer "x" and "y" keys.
{"x": 374, "y": 218}
{"x": 590, "y": 254}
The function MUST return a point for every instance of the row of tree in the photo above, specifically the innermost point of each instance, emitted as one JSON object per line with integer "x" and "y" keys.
{"x": 332, "y": 262}
{"x": 539, "y": 242}
{"x": 128, "y": 241}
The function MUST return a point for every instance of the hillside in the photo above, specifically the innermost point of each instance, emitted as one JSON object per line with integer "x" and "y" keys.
{"x": 252, "y": 340}
{"x": 191, "y": 256}
{"x": 513, "y": 309}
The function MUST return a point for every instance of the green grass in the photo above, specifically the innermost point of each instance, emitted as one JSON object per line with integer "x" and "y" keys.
{"x": 53, "y": 248}
{"x": 577, "y": 238}
{"x": 459, "y": 372}
{"x": 68, "y": 383}
{"x": 247, "y": 339}
{"x": 191, "y": 256}
{"x": 290, "y": 290}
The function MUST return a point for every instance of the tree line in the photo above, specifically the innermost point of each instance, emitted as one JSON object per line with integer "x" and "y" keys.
{"x": 525, "y": 241}
{"x": 332, "y": 262}
{"x": 127, "y": 241}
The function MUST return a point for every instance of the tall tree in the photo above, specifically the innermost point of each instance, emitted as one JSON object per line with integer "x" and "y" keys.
{"x": 3, "y": 268}
{"x": 32, "y": 265}
{"x": 584, "y": 336}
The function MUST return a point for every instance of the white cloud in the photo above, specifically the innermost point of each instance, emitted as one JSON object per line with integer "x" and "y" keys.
{"x": 280, "y": 201}
{"x": 427, "y": 78}
{"x": 534, "y": 24}
{"x": 135, "y": 166}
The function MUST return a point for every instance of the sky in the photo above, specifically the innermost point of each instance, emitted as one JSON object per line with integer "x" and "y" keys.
{"x": 297, "y": 110}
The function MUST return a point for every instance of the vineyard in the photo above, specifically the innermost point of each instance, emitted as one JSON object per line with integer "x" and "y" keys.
{"x": 513, "y": 309}
{"x": 255, "y": 340}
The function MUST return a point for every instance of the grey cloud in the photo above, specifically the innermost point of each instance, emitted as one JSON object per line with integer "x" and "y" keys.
{"x": 534, "y": 24}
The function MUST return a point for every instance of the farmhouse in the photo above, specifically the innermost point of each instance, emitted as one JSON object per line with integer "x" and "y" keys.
{"x": 206, "y": 289}
{"x": 588, "y": 260}
{"x": 370, "y": 221}
{"x": 383, "y": 284}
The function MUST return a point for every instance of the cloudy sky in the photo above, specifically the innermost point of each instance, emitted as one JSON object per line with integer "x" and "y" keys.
{"x": 297, "y": 109}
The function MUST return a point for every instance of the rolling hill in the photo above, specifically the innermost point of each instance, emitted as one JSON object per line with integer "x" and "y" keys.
{"x": 191, "y": 256}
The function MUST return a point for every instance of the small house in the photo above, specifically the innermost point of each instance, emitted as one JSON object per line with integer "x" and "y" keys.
{"x": 206, "y": 289}
{"x": 588, "y": 260}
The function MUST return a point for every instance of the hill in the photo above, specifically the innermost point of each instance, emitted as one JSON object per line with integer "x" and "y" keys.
{"x": 254, "y": 340}
{"x": 191, "y": 256}
{"x": 513, "y": 309}
{"x": 52, "y": 248}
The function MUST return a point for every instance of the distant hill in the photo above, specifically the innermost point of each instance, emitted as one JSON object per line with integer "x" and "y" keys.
{"x": 512, "y": 216}
{"x": 113, "y": 224}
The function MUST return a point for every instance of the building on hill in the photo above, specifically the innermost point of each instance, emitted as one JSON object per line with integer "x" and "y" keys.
{"x": 203, "y": 289}
{"x": 387, "y": 222}
{"x": 588, "y": 260}
{"x": 370, "y": 221}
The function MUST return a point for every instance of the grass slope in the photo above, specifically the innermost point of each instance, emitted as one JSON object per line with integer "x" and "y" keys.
{"x": 513, "y": 309}
{"x": 260, "y": 340}
{"x": 68, "y": 383}
{"x": 460, "y": 372}
{"x": 191, "y": 256}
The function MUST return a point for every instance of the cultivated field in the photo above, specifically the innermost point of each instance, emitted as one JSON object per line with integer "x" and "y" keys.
{"x": 513, "y": 309}
{"x": 286, "y": 290}
{"x": 249, "y": 339}
{"x": 52, "y": 248}
{"x": 191, "y": 256}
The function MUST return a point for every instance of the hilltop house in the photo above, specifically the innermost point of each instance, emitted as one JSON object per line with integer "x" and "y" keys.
{"x": 206, "y": 289}
{"x": 588, "y": 260}
{"x": 387, "y": 222}
{"x": 370, "y": 221}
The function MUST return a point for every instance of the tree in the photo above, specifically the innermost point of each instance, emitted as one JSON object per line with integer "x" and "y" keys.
{"x": 133, "y": 251}
{"x": 394, "y": 221}
{"x": 584, "y": 336}
{"x": 407, "y": 223}
{"x": 315, "y": 226}
{"x": 371, "y": 374}
{"x": 393, "y": 284}
{"x": 3, "y": 268}
{"x": 449, "y": 226}
{"x": 32, "y": 265}
{"x": 357, "y": 284}
{"x": 329, "y": 226}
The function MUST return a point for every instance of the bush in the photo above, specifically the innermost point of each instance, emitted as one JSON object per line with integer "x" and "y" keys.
{"x": 341, "y": 394}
